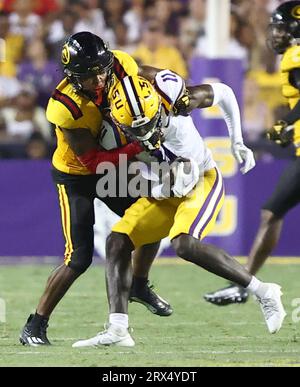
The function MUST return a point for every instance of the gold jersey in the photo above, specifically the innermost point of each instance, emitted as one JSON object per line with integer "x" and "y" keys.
{"x": 291, "y": 60}
{"x": 69, "y": 109}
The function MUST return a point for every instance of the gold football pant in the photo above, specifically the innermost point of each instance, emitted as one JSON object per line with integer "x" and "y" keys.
{"x": 149, "y": 220}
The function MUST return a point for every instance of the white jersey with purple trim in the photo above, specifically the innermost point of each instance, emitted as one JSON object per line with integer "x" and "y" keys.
{"x": 181, "y": 138}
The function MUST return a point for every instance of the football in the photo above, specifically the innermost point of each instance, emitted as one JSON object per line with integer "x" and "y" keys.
{"x": 110, "y": 136}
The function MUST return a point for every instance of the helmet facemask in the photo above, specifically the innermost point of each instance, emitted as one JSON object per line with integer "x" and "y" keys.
{"x": 78, "y": 78}
{"x": 146, "y": 131}
{"x": 279, "y": 37}
{"x": 85, "y": 55}
{"x": 284, "y": 27}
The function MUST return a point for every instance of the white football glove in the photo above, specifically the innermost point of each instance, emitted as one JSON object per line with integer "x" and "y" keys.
{"x": 242, "y": 154}
{"x": 185, "y": 181}
{"x": 186, "y": 174}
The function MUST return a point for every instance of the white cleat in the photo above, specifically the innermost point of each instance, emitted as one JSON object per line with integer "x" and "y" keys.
{"x": 272, "y": 308}
{"x": 113, "y": 335}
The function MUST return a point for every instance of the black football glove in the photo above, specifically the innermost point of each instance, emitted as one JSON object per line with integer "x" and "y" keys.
{"x": 281, "y": 133}
{"x": 180, "y": 107}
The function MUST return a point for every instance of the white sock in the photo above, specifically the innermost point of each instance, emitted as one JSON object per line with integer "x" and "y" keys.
{"x": 257, "y": 287}
{"x": 120, "y": 319}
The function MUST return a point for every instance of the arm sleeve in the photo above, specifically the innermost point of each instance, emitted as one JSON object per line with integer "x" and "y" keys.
{"x": 127, "y": 62}
{"x": 226, "y": 100}
{"x": 93, "y": 157}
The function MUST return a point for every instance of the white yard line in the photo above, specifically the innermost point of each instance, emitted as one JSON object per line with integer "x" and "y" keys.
{"x": 224, "y": 352}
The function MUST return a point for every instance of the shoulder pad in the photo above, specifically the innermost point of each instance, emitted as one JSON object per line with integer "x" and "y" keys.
{"x": 64, "y": 106}
{"x": 63, "y": 111}
{"x": 170, "y": 86}
{"x": 290, "y": 59}
{"x": 124, "y": 64}
{"x": 68, "y": 102}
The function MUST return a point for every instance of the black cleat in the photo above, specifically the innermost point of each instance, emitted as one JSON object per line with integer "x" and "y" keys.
{"x": 151, "y": 300}
{"x": 232, "y": 294}
{"x": 34, "y": 334}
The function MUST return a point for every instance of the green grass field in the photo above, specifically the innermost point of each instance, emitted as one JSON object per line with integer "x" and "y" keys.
{"x": 197, "y": 334}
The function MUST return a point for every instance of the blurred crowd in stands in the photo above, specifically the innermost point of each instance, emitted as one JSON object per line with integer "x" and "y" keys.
{"x": 162, "y": 33}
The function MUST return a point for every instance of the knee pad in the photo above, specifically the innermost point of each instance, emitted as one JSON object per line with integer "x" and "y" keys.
{"x": 81, "y": 259}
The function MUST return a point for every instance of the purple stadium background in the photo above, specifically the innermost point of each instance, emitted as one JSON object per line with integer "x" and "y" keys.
{"x": 30, "y": 218}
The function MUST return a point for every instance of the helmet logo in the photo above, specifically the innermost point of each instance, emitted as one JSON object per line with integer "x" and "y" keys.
{"x": 65, "y": 55}
{"x": 296, "y": 12}
{"x": 95, "y": 69}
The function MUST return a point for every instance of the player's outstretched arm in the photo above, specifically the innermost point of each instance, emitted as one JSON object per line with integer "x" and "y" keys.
{"x": 89, "y": 153}
{"x": 224, "y": 97}
{"x": 283, "y": 130}
{"x": 194, "y": 97}
{"x": 204, "y": 96}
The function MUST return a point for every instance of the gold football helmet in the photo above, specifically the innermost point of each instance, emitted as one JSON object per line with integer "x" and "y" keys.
{"x": 136, "y": 109}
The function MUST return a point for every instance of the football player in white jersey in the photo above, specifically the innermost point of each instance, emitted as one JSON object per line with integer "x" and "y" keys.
{"x": 183, "y": 204}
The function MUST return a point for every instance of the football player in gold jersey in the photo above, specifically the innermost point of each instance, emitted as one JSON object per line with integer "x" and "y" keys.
{"x": 284, "y": 38}
{"x": 76, "y": 109}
